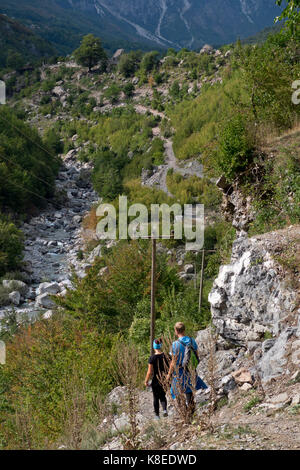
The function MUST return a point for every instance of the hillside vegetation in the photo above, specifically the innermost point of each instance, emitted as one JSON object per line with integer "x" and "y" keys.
{"x": 20, "y": 45}
{"x": 229, "y": 110}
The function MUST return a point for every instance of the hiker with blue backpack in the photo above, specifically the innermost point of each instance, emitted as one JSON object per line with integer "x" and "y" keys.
{"x": 180, "y": 368}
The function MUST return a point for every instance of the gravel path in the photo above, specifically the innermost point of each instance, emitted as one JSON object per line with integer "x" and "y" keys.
{"x": 159, "y": 178}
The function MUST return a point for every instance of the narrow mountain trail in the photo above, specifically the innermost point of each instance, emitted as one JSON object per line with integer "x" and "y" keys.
{"x": 53, "y": 239}
{"x": 159, "y": 178}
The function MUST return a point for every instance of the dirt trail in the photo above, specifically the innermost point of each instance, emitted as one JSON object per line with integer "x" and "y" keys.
{"x": 159, "y": 178}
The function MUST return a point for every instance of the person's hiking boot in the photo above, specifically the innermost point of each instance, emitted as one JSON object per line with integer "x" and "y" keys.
{"x": 165, "y": 413}
{"x": 156, "y": 417}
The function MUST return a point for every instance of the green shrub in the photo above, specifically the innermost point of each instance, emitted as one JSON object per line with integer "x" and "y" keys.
{"x": 11, "y": 246}
{"x": 252, "y": 403}
{"x": 56, "y": 373}
{"x": 129, "y": 63}
{"x": 27, "y": 165}
{"x": 235, "y": 148}
{"x": 128, "y": 90}
{"x": 112, "y": 93}
{"x": 150, "y": 61}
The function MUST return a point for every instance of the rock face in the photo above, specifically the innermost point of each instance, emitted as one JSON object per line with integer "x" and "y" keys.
{"x": 274, "y": 362}
{"x": 235, "y": 206}
{"x": 252, "y": 296}
{"x": 249, "y": 296}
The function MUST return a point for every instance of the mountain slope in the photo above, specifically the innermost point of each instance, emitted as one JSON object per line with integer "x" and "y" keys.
{"x": 163, "y": 23}
{"x": 16, "y": 38}
{"x": 63, "y": 23}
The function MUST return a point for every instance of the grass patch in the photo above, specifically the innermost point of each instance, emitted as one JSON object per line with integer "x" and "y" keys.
{"x": 252, "y": 403}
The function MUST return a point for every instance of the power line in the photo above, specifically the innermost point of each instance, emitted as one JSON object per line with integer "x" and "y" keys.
{"x": 35, "y": 194}
{"x": 28, "y": 190}
{"x": 32, "y": 174}
{"x": 38, "y": 161}
{"x": 31, "y": 140}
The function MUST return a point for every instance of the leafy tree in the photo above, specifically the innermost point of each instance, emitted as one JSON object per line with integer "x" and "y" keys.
{"x": 175, "y": 89}
{"x": 14, "y": 60}
{"x": 90, "y": 52}
{"x": 150, "y": 61}
{"x": 106, "y": 175}
{"x": 11, "y": 246}
{"x": 291, "y": 12}
{"x": 28, "y": 165}
{"x": 235, "y": 148}
{"x": 171, "y": 52}
{"x": 52, "y": 139}
{"x": 128, "y": 89}
{"x": 129, "y": 63}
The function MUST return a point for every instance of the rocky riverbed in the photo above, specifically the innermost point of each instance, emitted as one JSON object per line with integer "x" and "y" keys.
{"x": 52, "y": 242}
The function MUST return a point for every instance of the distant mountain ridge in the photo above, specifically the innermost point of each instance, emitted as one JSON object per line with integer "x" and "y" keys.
{"x": 17, "y": 39}
{"x": 160, "y": 23}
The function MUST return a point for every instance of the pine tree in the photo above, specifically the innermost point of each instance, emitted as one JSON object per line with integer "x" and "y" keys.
{"x": 90, "y": 52}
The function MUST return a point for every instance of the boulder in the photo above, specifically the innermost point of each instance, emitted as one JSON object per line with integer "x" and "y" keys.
{"x": 296, "y": 399}
{"x": 278, "y": 399}
{"x": 103, "y": 271}
{"x": 185, "y": 276}
{"x": 44, "y": 301}
{"x": 48, "y": 314}
{"x": 14, "y": 285}
{"x": 203, "y": 340}
{"x": 117, "y": 396}
{"x": 207, "y": 49}
{"x": 58, "y": 91}
{"x": 242, "y": 376}
{"x": 15, "y": 297}
{"x": 77, "y": 219}
{"x": 273, "y": 363}
{"x": 117, "y": 55}
{"x": 228, "y": 383}
{"x": 70, "y": 156}
{"x": 296, "y": 376}
{"x": 246, "y": 387}
{"x": 253, "y": 346}
{"x": 31, "y": 295}
{"x": 52, "y": 288}
{"x": 66, "y": 284}
{"x": 268, "y": 344}
{"x": 121, "y": 423}
{"x": 96, "y": 253}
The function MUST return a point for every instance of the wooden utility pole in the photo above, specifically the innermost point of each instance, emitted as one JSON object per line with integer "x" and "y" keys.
{"x": 153, "y": 289}
{"x": 201, "y": 281}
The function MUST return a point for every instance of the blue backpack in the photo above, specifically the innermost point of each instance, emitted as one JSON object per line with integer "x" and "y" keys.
{"x": 188, "y": 348}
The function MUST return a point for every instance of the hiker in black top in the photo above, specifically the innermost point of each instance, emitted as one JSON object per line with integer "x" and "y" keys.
{"x": 157, "y": 367}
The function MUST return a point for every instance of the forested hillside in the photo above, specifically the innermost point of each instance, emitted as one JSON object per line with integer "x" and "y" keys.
{"x": 20, "y": 45}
